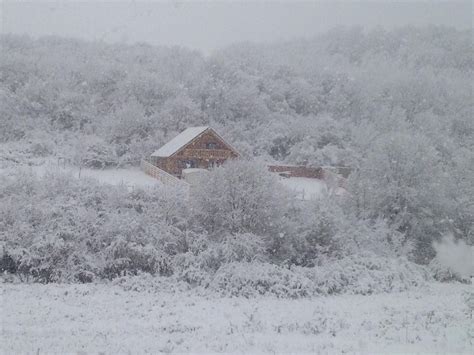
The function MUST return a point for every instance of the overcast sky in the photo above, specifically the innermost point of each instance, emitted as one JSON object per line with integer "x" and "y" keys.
{"x": 210, "y": 25}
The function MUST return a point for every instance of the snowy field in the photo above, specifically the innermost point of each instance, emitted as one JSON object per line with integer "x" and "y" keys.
{"x": 120, "y": 176}
{"x": 304, "y": 188}
{"x": 107, "y": 319}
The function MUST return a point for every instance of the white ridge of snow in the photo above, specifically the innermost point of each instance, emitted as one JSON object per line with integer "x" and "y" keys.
{"x": 179, "y": 141}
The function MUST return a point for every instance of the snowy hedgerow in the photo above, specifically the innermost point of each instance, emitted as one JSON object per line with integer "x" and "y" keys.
{"x": 365, "y": 274}
{"x": 205, "y": 256}
{"x": 256, "y": 278}
{"x": 59, "y": 229}
{"x": 62, "y": 229}
{"x": 321, "y": 228}
{"x": 356, "y": 235}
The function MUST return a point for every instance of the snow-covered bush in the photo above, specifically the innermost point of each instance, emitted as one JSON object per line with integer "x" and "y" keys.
{"x": 190, "y": 269}
{"x": 77, "y": 231}
{"x": 321, "y": 141}
{"x": 357, "y": 274}
{"x": 454, "y": 260}
{"x": 95, "y": 153}
{"x": 61, "y": 229}
{"x": 239, "y": 197}
{"x": 46, "y": 260}
{"x": 321, "y": 229}
{"x": 401, "y": 180}
{"x": 39, "y": 144}
{"x": 51, "y": 260}
{"x": 443, "y": 273}
{"x": 205, "y": 256}
{"x": 122, "y": 258}
{"x": 312, "y": 232}
{"x": 242, "y": 247}
{"x": 8, "y": 262}
{"x": 356, "y": 236}
{"x": 364, "y": 274}
{"x": 253, "y": 279}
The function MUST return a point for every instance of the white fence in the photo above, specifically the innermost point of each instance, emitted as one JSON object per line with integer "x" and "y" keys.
{"x": 157, "y": 173}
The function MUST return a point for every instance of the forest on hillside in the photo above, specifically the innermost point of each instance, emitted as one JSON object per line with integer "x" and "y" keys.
{"x": 318, "y": 101}
{"x": 395, "y": 106}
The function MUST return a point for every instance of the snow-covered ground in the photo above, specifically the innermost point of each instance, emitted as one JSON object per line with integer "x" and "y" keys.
{"x": 120, "y": 176}
{"x": 305, "y": 188}
{"x": 128, "y": 176}
{"x": 107, "y": 319}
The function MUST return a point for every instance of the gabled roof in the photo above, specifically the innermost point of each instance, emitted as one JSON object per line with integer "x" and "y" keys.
{"x": 186, "y": 137}
{"x": 179, "y": 141}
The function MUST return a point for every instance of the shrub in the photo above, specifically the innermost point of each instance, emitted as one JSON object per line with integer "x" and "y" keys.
{"x": 46, "y": 260}
{"x": 246, "y": 247}
{"x": 239, "y": 197}
{"x": 95, "y": 153}
{"x": 453, "y": 261}
{"x": 124, "y": 258}
{"x": 365, "y": 274}
{"x": 256, "y": 278}
{"x": 205, "y": 257}
{"x": 83, "y": 267}
{"x": 443, "y": 273}
{"x": 7, "y": 264}
{"x": 314, "y": 232}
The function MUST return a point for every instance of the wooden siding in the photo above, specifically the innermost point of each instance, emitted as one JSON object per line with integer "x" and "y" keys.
{"x": 204, "y": 152}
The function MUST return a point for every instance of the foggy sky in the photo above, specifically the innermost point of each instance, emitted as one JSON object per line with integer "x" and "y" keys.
{"x": 210, "y": 25}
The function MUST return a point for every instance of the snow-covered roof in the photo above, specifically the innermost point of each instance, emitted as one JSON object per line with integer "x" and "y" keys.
{"x": 179, "y": 141}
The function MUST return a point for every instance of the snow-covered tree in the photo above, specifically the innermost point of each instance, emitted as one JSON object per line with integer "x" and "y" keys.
{"x": 401, "y": 180}
{"x": 240, "y": 196}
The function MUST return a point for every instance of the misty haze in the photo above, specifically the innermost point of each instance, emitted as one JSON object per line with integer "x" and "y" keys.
{"x": 236, "y": 177}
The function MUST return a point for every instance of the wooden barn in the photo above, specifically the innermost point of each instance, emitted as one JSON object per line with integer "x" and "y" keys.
{"x": 195, "y": 147}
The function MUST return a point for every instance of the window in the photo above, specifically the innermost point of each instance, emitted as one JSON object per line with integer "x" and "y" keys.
{"x": 211, "y": 145}
{"x": 214, "y": 163}
{"x": 186, "y": 164}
